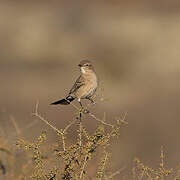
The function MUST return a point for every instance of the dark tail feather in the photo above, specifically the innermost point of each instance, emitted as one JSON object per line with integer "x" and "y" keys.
{"x": 64, "y": 101}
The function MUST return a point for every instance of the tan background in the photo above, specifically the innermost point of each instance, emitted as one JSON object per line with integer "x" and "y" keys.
{"x": 135, "y": 49}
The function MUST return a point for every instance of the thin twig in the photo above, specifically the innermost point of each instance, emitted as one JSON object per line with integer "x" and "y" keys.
{"x": 97, "y": 119}
{"x": 83, "y": 167}
{"x": 62, "y": 133}
{"x": 53, "y": 127}
{"x": 69, "y": 125}
{"x": 93, "y": 116}
{"x": 44, "y": 120}
{"x": 80, "y": 129}
{"x": 162, "y": 158}
{"x": 124, "y": 117}
{"x": 63, "y": 142}
{"x": 30, "y": 125}
{"x": 80, "y": 122}
{"x": 15, "y": 125}
{"x": 117, "y": 172}
{"x": 103, "y": 167}
{"x": 21, "y": 131}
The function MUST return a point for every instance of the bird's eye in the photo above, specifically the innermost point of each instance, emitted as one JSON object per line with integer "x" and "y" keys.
{"x": 87, "y": 65}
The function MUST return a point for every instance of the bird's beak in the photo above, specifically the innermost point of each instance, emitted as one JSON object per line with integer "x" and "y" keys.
{"x": 79, "y": 65}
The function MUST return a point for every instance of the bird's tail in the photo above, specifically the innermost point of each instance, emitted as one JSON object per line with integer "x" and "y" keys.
{"x": 65, "y": 101}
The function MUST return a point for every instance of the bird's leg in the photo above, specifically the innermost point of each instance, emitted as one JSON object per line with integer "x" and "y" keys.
{"x": 80, "y": 104}
{"x": 91, "y": 100}
{"x": 79, "y": 100}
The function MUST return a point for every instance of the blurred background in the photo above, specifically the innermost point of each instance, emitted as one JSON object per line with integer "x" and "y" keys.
{"x": 134, "y": 46}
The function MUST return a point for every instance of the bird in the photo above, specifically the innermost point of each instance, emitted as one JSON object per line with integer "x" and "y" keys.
{"x": 84, "y": 87}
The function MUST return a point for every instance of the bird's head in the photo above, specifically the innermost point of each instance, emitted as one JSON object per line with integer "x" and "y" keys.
{"x": 85, "y": 66}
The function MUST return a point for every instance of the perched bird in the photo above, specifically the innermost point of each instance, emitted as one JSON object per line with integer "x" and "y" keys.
{"x": 84, "y": 87}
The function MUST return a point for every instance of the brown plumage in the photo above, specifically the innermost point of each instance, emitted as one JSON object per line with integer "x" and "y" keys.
{"x": 84, "y": 87}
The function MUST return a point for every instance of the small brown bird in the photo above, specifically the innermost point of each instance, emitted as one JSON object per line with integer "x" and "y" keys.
{"x": 84, "y": 87}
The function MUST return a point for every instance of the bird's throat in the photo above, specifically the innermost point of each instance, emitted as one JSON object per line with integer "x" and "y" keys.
{"x": 82, "y": 70}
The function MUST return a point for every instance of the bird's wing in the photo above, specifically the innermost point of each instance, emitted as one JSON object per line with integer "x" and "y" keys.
{"x": 79, "y": 82}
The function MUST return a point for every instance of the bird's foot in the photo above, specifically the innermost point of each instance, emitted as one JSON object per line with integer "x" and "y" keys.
{"x": 91, "y": 100}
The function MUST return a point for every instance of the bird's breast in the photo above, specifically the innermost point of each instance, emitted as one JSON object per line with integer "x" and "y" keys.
{"x": 89, "y": 87}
